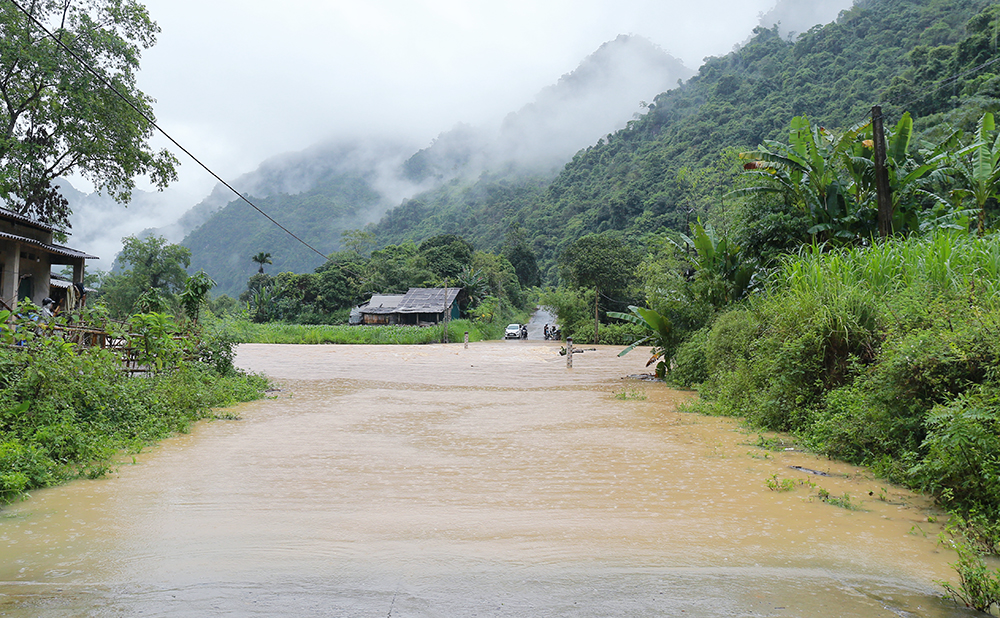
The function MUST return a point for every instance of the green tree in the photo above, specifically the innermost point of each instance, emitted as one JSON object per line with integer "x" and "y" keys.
{"x": 606, "y": 262}
{"x": 518, "y": 252}
{"x": 149, "y": 265}
{"x": 395, "y": 269}
{"x": 358, "y": 241}
{"x": 195, "y": 294}
{"x": 57, "y": 118}
{"x": 446, "y": 255}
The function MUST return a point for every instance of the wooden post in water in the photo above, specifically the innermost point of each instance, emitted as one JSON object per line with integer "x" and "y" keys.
{"x": 466, "y": 340}
{"x": 569, "y": 352}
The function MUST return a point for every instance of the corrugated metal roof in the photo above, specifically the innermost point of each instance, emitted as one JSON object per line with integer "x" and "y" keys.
{"x": 385, "y": 300}
{"x": 56, "y": 249}
{"x": 428, "y": 300}
{"x": 10, "y": 214}
{"x": 416, "y": 300}
{"x": 58, "y": 281}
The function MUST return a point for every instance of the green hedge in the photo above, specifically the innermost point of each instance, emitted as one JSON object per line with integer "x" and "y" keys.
{"x": 67, "y": 413}
{"x": 887, "y": 356}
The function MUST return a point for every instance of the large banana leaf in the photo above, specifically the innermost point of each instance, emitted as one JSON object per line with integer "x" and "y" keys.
{"x": 660, "y": 329}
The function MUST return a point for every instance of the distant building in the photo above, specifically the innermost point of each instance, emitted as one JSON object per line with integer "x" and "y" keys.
{"x": 27, "y": 255}
{"x": 419, "y": 306}
{"x": 376, "y": 310}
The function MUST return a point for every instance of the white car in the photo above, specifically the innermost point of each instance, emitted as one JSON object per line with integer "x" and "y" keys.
{"x": 513, "y": 331}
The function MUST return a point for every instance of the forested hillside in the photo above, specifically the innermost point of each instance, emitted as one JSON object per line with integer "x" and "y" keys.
{"x": 676, "y": 162}
{"x": 224, "y": 245}
{"x": 339, "y": 186}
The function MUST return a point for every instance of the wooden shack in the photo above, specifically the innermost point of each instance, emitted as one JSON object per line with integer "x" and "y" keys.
{"x": 419, "y": 306}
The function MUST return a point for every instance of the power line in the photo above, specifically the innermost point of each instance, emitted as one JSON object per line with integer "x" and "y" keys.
{"x": 943, "y": 83}
{"x": 152, "y": 122}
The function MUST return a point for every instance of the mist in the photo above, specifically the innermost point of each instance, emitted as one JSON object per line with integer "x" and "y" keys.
{"x": 240, "y": 82}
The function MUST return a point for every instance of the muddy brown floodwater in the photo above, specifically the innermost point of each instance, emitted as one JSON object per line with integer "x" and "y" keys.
{"x": 411, "y": 481}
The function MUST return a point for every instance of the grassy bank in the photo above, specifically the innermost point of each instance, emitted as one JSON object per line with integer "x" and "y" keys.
{"x": 245, "y": 331}
{"x": 887, "y": 356}
{"x": 67, "y": 412}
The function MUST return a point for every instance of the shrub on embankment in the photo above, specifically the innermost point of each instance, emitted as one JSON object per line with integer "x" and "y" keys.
{"x": 67, "y": 412}
{"x": 887, "y": 356}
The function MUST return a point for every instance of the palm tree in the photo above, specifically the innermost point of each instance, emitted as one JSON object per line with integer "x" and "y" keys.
{"x": 262, "y": 258}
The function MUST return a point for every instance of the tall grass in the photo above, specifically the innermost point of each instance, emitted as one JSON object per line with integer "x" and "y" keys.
{"x": 946, "y": 263}
{"x": 885, "y": 355}
{"x": 245, "y": 331}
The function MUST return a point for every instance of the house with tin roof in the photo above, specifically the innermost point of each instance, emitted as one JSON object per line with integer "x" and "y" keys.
{"x": 419, "y": 306}
{"x": 27, "y": 255}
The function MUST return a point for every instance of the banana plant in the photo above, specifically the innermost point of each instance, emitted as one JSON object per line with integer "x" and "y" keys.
{"x": 808, "y": 171}
{"x": 910, "y": 181}
{"x": 660, "y": 335}
{"x": 976, "y": 168}
{"x": 719, "y": 264}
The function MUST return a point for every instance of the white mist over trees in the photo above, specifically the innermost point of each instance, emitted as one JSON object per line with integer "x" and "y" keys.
{"x": 346, "y": 184}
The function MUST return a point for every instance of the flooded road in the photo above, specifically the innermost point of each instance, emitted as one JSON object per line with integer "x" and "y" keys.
{"x": 413, "y": 481}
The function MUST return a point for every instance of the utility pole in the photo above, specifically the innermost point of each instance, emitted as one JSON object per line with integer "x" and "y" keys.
{"x": 883, "y": 192}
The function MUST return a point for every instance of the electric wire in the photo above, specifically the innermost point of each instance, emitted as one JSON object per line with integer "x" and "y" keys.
{"x": 83, "y": 63}
{"x": 935, "y": 88}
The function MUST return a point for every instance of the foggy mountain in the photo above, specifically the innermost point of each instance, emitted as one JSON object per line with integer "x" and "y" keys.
{"x": 321, "y": 192}
{"x": 794, "y": 17}
{"x": 317, "y": 194}
{"x": 98, "y": 223}
{"x": 599, "y": 97}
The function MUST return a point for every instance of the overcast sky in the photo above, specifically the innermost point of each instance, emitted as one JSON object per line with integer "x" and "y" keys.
{"x": 239, "y": 81}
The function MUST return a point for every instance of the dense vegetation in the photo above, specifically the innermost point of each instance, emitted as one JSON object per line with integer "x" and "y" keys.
{"x": 886, "y": 356}
{"x": 761, "y": 278}
{"x": 677, "y": 162}
{"x": 68, "y": 411}
{"x": 494, "y": 286}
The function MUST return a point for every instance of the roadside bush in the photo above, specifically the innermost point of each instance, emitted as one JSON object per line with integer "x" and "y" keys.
{"x": 961, "y": 464}
{"x": 622, "y": 333}
{"x": 691, "y": 361}
{"x": 887, "y": 356}
{"x": 66, "y": 413}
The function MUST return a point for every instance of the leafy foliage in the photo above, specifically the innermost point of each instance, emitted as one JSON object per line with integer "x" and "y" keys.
{"x": 195, "y": 294}
{"x": 151, "y": 266}
{"x": 885, "y": 355}
{"x": 660, "y": 331}
{"x": 979, "y": 586}
{"x": 67, "y": 412}
{"x": 56, "y": 118}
